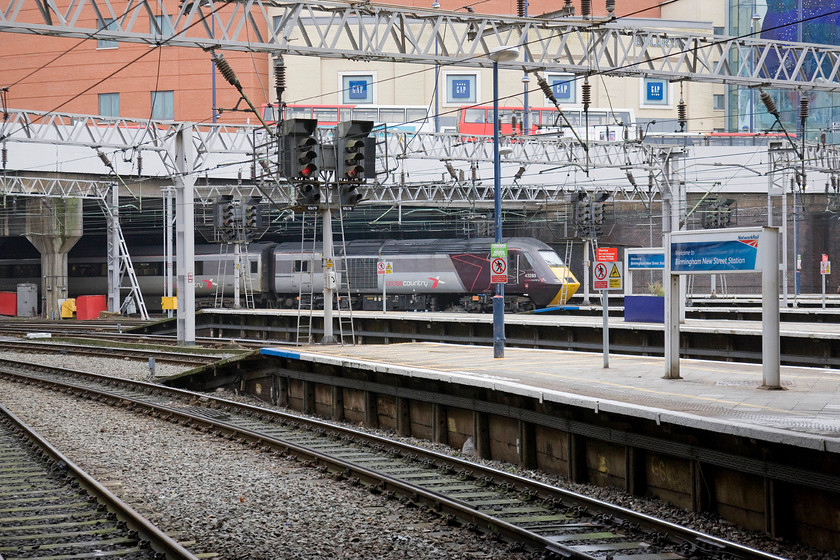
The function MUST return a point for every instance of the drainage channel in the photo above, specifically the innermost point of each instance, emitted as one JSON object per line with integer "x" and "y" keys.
{"x": 561, "y": 523}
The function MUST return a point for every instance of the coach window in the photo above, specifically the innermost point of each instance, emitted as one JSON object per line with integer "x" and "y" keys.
{"x": 461, "y": 88}
{"x": 298, "y": 112}
{"x": 564, "y": 87}
{"x": 254, "y": 267}
{"x": 357, "y": 88}
{"x": 325, "y": 114}
{"x": 148, "y": 269}
{"x": 393, "y": 116}
{"x": 475, "y": 116}
{"x": 198, "y": 268}
{"x": 366, "y": 115}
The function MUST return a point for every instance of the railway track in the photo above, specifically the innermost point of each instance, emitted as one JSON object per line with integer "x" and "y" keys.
{"x": 78, "y": 348}
{"x": 560, "y": 523}
{"x": 49, "y": 508}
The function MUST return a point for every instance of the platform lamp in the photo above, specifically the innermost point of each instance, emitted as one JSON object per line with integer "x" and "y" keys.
{"x": 498, "y": 54}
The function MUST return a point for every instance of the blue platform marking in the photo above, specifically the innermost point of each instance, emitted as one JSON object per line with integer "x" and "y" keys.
{"x": 280, "y": 353}
{"x": 560, "y": 308}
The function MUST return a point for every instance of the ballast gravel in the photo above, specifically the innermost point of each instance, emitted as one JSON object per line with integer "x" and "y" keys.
{"x": 225, "y": 496}
{"x": 245, "y": 505}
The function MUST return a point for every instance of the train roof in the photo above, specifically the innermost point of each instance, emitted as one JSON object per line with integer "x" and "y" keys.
{"x": 415, "y": 246}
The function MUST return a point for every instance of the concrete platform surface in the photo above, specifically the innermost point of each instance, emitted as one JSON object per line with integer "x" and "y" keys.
{"x": 720, "y": 396}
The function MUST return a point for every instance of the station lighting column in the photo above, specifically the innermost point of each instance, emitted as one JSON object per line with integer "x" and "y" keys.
{"x": 499, "y": 54}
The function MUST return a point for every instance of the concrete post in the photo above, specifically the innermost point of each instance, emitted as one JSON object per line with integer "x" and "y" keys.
{"x": 53, "y": 226}
{"x": 184, "y": 235}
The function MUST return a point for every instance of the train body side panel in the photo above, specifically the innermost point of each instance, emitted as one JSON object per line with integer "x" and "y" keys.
{"x": 427, "y": 274}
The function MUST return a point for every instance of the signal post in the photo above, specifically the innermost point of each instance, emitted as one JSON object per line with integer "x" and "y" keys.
{"x": 301, "y": 156}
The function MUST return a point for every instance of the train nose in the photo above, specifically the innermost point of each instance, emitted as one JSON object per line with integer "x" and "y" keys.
{"x": 568, "y": 286}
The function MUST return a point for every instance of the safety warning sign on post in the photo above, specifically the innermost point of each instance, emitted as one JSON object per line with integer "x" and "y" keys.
{"x": 607, "y": 275}
{"x": 498, "y": 270}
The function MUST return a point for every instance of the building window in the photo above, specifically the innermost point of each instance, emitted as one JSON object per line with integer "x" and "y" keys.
{"x": 717, "y": 101}
{"x": 719, "y": 31}
{"x": 461, "y": 88}
{"x": 160, "y": 25}
{"x": 108, "y": 24}
{"x": 357, "y": 88}
{"x": 655, "y": 93}
{"x": 564, "y": 87}
{"x": 163, "y": 105}
{"x": 109, "y": 104}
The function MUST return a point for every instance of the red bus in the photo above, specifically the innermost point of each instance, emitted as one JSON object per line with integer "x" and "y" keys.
{"x": 410, "y": 118}
{"x": 606, "y": 125}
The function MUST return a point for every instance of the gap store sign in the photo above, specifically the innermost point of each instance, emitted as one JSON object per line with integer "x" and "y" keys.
{"x": 721, "y": 251}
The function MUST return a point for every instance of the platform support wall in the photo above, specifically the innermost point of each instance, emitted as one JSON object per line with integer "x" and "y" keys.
{"x": 527, "y": 445}
{"x": 282, "y": 385}
{"x": 403, "y": 416}
{"x": 337, "y": 403}
{"x": 481, "y": 434}
{"x": 770, "y": 507}
{"x": 700, "y": 493}
{"x": 371, "y": 410}
{"x": 440, "y": 428}
{"x": 577, "y": 458}
{"x": 634, "y": 469}
{"x": 308, "y": 397}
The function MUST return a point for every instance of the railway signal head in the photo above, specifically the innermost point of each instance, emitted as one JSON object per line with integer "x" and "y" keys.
{"x": 253, "y": 216}
{"x": 300, "y": 151}
{"x": 309, "y": 195}
{"x": 224, "y": 215}
{"x": 355, "y": 151}
{"x": 348, "y": 195}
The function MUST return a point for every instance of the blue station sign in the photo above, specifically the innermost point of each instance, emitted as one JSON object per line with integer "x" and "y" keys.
{"x": 716, "y": 252}
{"x": 645, "y": 261}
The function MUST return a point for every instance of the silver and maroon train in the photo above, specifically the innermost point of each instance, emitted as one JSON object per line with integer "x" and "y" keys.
{"x": 428, "y": 274}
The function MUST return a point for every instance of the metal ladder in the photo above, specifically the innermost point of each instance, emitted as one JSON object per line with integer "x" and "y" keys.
{"x": 344, "y": 304}
{"x": 246, "y": 279}
{"x": 221, "y": 278}
{"x": 306, "y": 293}
{"x": 567, "y": 259}
{"x": 125, "y": 266}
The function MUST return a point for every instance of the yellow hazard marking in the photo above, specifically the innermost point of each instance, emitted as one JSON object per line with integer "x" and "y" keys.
{"x": 615, "y": 273}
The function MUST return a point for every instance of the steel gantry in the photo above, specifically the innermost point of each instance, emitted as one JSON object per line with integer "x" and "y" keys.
{"x": 367, "y": 31}
{"x": 247, "y": 145}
